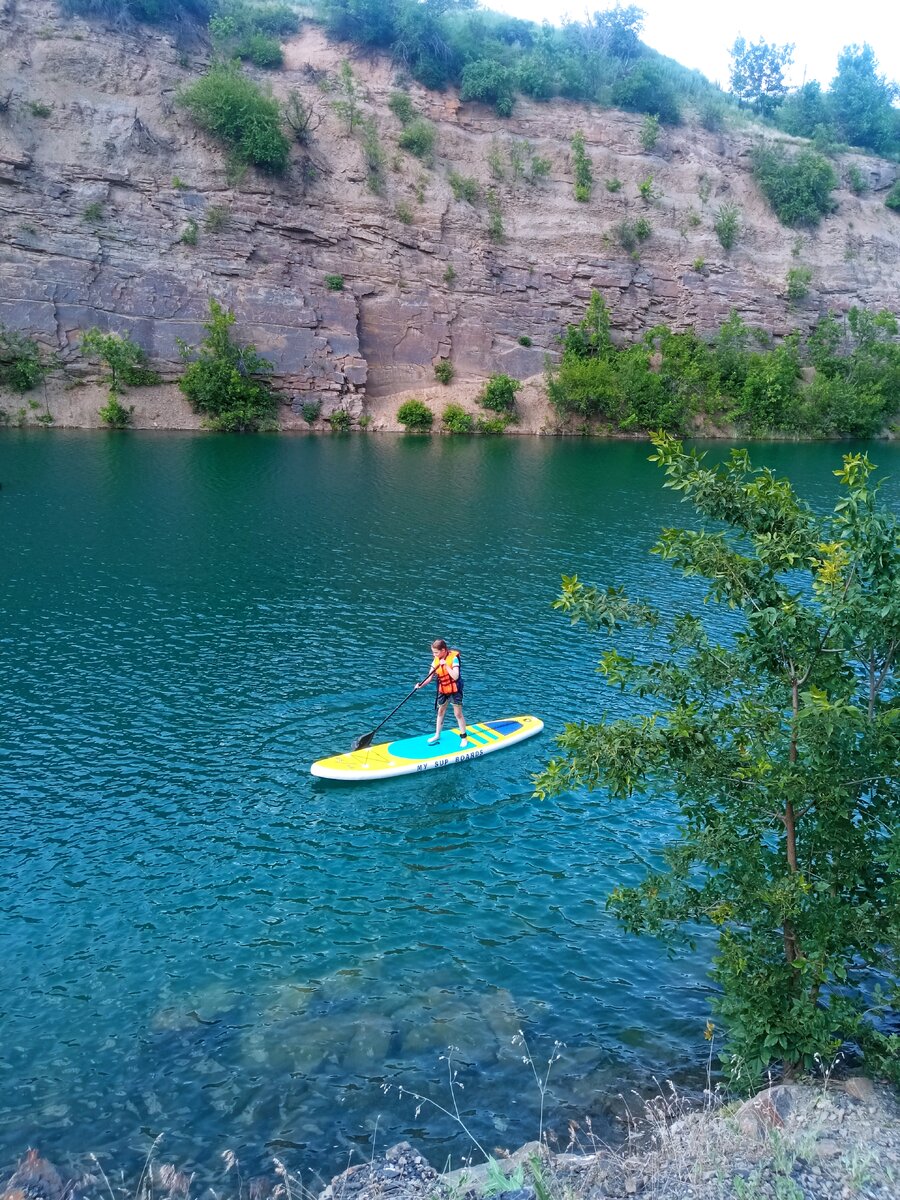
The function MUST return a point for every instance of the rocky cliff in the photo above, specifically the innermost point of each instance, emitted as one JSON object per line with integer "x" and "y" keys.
{"x": 101, "y": 173}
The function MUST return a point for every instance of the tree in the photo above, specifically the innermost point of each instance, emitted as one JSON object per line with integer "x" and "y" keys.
{"x": 862, "y": 100}
{"x": 757, "y": 73}
{"x": 126, "y": 360}
{"x": 780, "y": 746}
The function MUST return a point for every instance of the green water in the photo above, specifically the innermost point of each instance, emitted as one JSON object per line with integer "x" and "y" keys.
{"x": 198, "y": 939}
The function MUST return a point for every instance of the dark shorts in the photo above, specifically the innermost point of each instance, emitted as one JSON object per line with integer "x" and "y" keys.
{"x": 441, "y": 701}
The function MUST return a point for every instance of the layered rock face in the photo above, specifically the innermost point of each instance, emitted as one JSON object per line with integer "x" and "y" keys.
{"x": 101, "y": 174}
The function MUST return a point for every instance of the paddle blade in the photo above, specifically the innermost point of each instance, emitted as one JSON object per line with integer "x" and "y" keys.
{"x": 362, "y": 742}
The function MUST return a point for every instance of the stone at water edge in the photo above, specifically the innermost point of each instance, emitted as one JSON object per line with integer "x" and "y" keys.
{"x": 403, "y": 1174}
{"x": 34, "y": 1179}
{"x": 769, "y": 1110}
{"x": 861, "y": 1088}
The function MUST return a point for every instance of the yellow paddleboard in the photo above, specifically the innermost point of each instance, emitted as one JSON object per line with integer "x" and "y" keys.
{"x": 409, "y": 755}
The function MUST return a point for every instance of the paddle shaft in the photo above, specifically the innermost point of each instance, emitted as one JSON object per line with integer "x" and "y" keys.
{"x": 365, "y": 740}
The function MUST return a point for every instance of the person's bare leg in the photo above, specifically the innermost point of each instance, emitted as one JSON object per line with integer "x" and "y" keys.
{"x": 461, "y": 722}
{"x": 438, "y": 725}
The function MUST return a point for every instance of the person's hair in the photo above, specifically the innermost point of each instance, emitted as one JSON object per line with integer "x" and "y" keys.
{"x": 440, "y": 644}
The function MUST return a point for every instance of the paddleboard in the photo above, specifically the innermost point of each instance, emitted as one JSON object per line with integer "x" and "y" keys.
{"x": 409, "y": 755}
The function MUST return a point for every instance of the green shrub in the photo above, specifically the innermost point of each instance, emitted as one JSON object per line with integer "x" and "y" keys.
{"x": 38, "y": 109}
{"x": 650, "y": 131}
{"x": 334, "y": 283}
{"x": 539, "y": 168}
{"x": 443, "y": 370}
{"x": 856, "y": 181}
{"x": 311, "y": 410}
{"x": 629, "y": 234}
{"x": 347, "y": 107}
{"x": 488, "y": 80}
{"x": 340, "y": 421}
{"x": 373, "y": 155}
{"x": 524, "y": 340}
{"x": 418, "y": 139}
{"x": 768, "y": 399}
{"x": 401, "y": 105}
{"x": 892, "y": 199}
{"x": 647, "y": 191}
{"x": 455, "y": 419}
{"x": 647, "y": 89}
{"x": 178, "y": 183}
{"x": 584, "y": 175}
{"x": 22, "y": 365}
{"x": 839, "y": 407}
{"x": 711, "y": 114}
{"x": 260, "y": 49}
{"x": 225, "y": 382}
{"x": 464, "y": 187}
{"x": 93, "y": 212}
{"x": 492, "y": 425}
{"x": 189, "y": 233}
{"x": 495, "y": 162}
{"x": 238, "y": 16}
{"x": 499, "y": 394}
{"x": 798, "y": 281}
{"x": 496, "y": 231}
{"x": 614, "y": 185}
{"x": 403, "y": 212}
{"x": 115, "y": 414}
{"x": 727, "y": 225}
{"x": 217, "y": 218}
{"x": 415, "y": 416}
{"x": 642, "y": 229}
{"x": 449, "y": 275}
{"x": 797, "y": 187}
{"x": 126, "y": 360}
{"x": 235, "y": 110}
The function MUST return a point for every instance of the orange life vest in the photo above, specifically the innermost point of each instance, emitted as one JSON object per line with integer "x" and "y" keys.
{"x": 446, "y": 684}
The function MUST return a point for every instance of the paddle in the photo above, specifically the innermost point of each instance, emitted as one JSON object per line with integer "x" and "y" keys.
{"x": 366, "y": 740}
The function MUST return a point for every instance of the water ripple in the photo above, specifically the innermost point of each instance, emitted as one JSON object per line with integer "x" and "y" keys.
{"x": 201, "y": 939}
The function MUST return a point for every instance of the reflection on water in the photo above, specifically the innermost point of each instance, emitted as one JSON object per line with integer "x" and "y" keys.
{"x": 202, "y": 940}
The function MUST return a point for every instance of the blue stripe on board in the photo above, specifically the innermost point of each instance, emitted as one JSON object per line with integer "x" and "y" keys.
{"x": 504, "y": 726}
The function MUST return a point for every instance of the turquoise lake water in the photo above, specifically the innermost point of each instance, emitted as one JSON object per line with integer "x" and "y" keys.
{"x": 198, "y": 938}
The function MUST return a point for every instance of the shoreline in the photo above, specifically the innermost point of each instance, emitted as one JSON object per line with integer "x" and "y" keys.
{"x": 822, "y": 1140}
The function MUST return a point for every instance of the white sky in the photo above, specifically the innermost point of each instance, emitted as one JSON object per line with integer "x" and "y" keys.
{"x": 698, "y": 33}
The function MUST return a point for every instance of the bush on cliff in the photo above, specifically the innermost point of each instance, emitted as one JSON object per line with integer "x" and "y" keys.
{"x": 225, "y": 382}
{"x": 239, "y": 113}
{"x": 251, "y": 31}
{"x": 798, "y": 187}
{"x": 22, "y": 365}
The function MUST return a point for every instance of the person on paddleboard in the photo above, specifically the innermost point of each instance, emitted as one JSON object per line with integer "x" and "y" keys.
{"x": 445, "y": 670}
